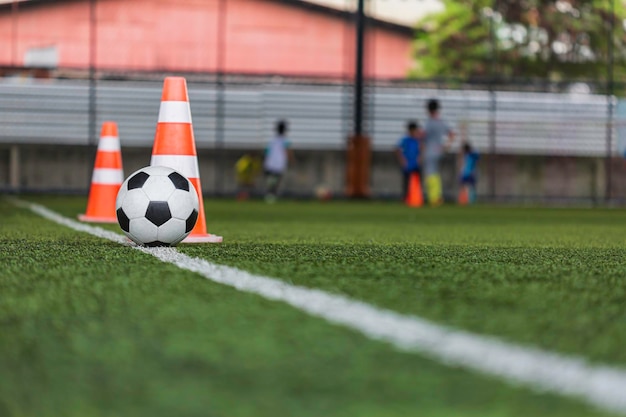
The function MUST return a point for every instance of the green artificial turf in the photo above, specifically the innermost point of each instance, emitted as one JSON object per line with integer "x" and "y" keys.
{"x": 93, "y": 328}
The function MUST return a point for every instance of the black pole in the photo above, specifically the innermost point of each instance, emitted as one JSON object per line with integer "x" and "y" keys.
{"x": 369, "y": 90}
{"x": 14, "y": 12}
{"x": 219, "y": 103}
{"x": 92, "y": 73}
{"x": 358, "y": 70}
{"x": 346, "y": 85}
{"x": 492, "y": 101}
{"x": 609, "y": 92}
{"x": 492, "y": 142}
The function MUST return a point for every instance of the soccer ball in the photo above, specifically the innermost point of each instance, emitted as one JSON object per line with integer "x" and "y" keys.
{"x": 323, "y": 193}
{"x": 157, "y": 206}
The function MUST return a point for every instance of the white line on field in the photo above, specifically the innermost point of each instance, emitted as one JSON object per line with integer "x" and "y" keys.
{"x": 601, "y": 386}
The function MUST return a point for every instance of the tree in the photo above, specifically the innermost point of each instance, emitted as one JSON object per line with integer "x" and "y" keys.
{"x": 562, "y": 39}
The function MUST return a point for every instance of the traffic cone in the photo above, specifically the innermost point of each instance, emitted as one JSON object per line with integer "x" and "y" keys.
{"x": 415, "y": 197}
{"x": 464, "y": 196}
{"x": 106, "y": 179}
{"x": 175, "y": 147}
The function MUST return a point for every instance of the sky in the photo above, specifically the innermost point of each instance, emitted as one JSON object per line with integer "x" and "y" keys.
{"x": 405, "y": 12}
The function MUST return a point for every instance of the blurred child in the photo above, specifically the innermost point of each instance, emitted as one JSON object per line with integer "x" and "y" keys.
{"x": 247, "y": 169}
{"x": 467, "y": 192}
{"x": 277, "y": 156}
{"x": 408, "y": 154}
{"x": 438, "y": 137}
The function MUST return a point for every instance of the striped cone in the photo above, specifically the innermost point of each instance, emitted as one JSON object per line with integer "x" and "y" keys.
{"x": 107, "y": 178}
{"x": 175, "y": 147}
{"x": 415, "y": 196}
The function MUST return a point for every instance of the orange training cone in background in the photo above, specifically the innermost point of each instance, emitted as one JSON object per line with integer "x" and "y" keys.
{"x": 107, "y": 178}
{"x": 175, "y": 147}
{"x": 464, "y": 196}
{"x": 415, "y": 197}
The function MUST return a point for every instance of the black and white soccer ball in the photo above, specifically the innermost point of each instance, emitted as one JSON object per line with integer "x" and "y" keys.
{"x": 157, "y": 206}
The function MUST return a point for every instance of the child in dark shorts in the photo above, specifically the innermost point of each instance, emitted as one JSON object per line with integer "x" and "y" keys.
{"x": 467, "y": 193}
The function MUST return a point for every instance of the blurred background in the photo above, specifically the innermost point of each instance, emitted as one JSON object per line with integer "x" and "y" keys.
{"x": 536, "y": 86}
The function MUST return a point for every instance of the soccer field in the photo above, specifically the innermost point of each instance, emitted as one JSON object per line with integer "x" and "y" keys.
{"x": 91, "y": 327}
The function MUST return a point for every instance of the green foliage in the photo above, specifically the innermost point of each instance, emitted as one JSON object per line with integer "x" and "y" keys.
{"x": 554, "y": 40}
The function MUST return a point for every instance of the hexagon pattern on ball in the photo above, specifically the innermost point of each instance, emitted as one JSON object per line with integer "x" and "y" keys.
{"x": 157, "y": 206}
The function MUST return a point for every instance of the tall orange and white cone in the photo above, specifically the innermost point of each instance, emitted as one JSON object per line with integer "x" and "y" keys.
{"x": 106, "y": 179}
{"x": 175, "y": 147}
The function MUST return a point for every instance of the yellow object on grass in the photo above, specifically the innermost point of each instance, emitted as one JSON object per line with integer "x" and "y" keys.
{"x": 433, "y": 189}
{"x": 247, "y": 168}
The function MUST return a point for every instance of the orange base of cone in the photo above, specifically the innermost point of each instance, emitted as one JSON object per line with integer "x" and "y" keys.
{"x": 202, "y": 239}
{"x": 415, "y": 196}
{"x": 463, "y": 197}
{"x": 93, "y": 219}
{"x": 414, "y": 202}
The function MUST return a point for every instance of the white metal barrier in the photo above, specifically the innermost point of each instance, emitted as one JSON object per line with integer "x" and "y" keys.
{"x": 57, "y": 111}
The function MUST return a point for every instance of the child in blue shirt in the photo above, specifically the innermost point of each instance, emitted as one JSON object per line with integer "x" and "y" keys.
{"x": 468, "y": 172}
{"x": 408, "y": 153}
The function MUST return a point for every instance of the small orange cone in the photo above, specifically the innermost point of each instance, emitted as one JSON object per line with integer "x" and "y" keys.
{"x": 415, "y": 197}
{"x": 107, "y": 178}
{"x": 175, "y": 147}
{"x": 464, "y": 196}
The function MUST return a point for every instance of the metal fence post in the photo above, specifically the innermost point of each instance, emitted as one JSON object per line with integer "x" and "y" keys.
{"x": 219, "y": 99}
{"x": 492, "y": 101}
{"x": 14, "y": 27}
{"x": 492, "y": 143}
{"x": 609, "y": 92}
{"x": 93, "y": 40}
{"x": 358, "y": 70}
{"x": 358, "y": 155}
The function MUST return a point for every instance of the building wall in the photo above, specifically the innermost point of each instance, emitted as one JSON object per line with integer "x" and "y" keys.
{"x": 261, "y": 36}
{"x": 520, "y": 178}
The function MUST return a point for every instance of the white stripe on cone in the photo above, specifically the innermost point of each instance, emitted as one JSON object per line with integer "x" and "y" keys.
{"x": 111, "y": 176}
{"x": 185, "y": 164}
{"x": 109, "y": 144}
{"x": 174, "y": 112}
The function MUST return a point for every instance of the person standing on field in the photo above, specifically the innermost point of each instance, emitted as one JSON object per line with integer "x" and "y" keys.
{"x": 467, "y": 192}
{"x": 435, "y": 131}
{"x": 277, "y": 156}
{"x": 408, "y": 154}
